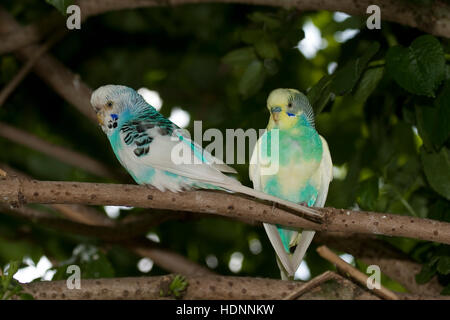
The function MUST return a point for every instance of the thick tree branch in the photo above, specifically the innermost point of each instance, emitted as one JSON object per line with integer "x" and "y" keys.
{"x": 205, "y": 287}
{"x": 432, "y": 18}
{"x": 74, "y": 212}
{"x": 15, "y": 191}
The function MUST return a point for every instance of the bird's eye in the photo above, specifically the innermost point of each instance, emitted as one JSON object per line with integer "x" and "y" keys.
{"x": 109, "y": 104}
{"x": 290, "y": 105}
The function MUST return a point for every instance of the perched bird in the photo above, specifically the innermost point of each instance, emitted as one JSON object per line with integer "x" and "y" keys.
{"x": 304, "y": 170}
{"x": 148, "y": 146}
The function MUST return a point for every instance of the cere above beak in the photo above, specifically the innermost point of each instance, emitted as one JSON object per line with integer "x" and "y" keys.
{"x": 275, "y": 113}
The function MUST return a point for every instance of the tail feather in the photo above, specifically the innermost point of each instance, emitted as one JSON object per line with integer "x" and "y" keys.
{"x": 288, "y": 263}
{"x": 305, "y": 240}
{"x": 283, "y": 258}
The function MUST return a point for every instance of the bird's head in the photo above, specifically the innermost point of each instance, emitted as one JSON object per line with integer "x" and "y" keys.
{"x": 110, "y": 102}
{"x": 287, "y": 107}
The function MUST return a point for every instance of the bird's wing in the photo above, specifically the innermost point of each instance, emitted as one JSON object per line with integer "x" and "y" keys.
{"x": 161, "y": 146}
{"x": 326, "y": 169}
{"x": 326, "y": 175}
{"x": 271, "y": 230}
{"x": 201, "y": 153}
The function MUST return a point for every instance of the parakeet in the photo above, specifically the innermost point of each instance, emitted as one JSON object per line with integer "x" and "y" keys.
{"x": 144, "y": 142}
{"x": 304, "y": 170}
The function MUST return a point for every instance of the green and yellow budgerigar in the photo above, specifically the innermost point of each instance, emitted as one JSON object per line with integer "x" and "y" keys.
{"x": 304, "y": 170}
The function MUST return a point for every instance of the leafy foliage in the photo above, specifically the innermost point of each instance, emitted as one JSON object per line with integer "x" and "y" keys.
{"x": 61, "y": 5}
{"x": 10, "y": 287}
{"x": 175, "y": 288}
{"x": 420, "y": 68}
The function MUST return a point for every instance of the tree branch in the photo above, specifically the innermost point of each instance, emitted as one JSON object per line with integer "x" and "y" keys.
{"x": 12, "y": 85}
{"x": 163, "y": 257}
{"x": 74, "y": 212}
{"x": 204, "y": 287}
{"x": 55, "y": 74}
{"x": 167, "y": 259}
{"x": 393, "y": 263}
{"x": 433, "y": 18}
{"x": 65, "y": 155}
{"x": 15, "y": 192}
{"x": 30, "y": 34}
{"x": 354, "y": 273}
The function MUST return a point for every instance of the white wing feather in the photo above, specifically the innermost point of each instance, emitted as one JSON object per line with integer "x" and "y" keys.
{"x": 326, "y": 175}
{"x": 291, "y": 263}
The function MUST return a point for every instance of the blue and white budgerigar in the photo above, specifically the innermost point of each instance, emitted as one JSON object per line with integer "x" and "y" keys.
{"x": 143, "y": 141}
{"x": 304, "y": 170}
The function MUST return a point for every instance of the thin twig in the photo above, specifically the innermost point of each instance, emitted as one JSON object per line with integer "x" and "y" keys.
{"x": 395, "y": 264}
{"x": 354, "y": 273}
{"x": 327, "y": 275}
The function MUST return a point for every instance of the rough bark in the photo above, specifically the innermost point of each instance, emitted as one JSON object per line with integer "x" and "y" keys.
{"x": 205, "y": 287}
{"x": 16, "y": 192}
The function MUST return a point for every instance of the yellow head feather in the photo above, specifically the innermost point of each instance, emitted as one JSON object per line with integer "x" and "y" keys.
{"x": 282, "y": 98}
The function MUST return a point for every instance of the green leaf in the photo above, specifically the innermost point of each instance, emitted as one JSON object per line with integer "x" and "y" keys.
{"x": 267, "y": 49}
{"x": 443, "y": 265}
{"x": 240, "y": 57}
{"x": 368, "y": 193}
{"x": 270, "y": 22}
{"x": 440, "y": 210}
{"x": 446, "y": 291}
{"x": 252, "y": 79}
{"x": 13, "y": 268}
{"x": 61, "y": 5}
{"x": 437, "y": 170}
{"x": 347, "y": 77}
{"x": 251, "y": 36}
{"x": 271, "y": 66}
{"x": 320, "y": 94}
{"x": 419, "y": 68}
{"x": 433, "y": 123}
{"x": 428, "y": 271}
{"x": 368, "y": 83}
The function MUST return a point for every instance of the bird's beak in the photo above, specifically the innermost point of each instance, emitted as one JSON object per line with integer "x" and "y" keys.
{"x": 275, "y": 113}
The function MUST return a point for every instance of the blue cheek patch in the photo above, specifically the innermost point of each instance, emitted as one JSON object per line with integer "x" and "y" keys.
{"x": 114, "y": 116}
{"x": 290, "y": 114}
